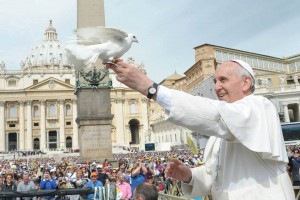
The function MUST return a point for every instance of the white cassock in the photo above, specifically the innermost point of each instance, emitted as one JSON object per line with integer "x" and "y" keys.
{"x": 245, "y": 157}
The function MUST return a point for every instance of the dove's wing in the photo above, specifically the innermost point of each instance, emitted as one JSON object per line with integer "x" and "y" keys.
{"x": 99, "y": 34}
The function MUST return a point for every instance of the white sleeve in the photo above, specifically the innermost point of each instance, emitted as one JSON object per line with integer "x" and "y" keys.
{"x": 164, "y": 97}
{"x": 200, "y": 185}
{"x": 193, "y": 112}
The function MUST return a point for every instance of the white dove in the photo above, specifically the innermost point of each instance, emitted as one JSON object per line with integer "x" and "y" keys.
{"x": 108, "y": 44}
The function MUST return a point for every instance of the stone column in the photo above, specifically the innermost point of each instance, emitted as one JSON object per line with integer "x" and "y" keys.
{"x": 62, "y": 137}
{"x": 119, "y": 112}
{"x": 29, "y": 126}
{"x": 286, "y": 113}
{"x": 94, "y": 124}
{"x": 43, "y": 126}
{"x": 2, "y": 126}
{"x": 75, "y": 126}
{"x": 22, "y": 126}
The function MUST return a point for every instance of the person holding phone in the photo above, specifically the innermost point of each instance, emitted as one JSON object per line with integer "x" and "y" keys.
{"x": 47, "y": 183}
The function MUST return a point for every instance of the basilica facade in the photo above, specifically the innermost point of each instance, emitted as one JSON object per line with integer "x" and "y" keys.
{"x": 38, "y": 106}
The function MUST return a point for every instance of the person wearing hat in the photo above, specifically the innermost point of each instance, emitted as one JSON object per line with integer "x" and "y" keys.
{"x": 245, "y": 155}
{"x": 102, "y": 176}
{"x": 93, "y": 183}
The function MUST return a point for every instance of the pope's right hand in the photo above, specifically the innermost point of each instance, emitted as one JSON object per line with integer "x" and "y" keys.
{"x": 177, "y": 170}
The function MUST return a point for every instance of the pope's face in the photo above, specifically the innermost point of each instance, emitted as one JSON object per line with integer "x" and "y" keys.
{"x": 229, "y": 85}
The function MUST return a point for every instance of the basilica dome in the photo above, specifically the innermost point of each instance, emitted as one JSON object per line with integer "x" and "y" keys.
{"x": 49, "y": 54}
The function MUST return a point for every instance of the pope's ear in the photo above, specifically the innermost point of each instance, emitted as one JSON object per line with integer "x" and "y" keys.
{"x": 247, "y": 84}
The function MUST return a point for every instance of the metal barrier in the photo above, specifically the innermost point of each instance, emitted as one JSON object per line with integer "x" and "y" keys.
{"x": 163, "y": 196}
{"x": 173, "y": 191}
{"x": 36, "y": 193}
{"x": 297, "y": 188}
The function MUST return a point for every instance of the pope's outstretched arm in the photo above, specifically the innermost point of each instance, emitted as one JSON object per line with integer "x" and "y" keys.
{"x": 132, "y": 77}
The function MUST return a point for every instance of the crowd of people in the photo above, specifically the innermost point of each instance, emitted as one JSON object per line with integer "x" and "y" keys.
{"x": 118, "y": 180}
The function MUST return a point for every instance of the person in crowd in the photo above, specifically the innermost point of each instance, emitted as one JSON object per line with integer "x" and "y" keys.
{"x": 145, "y": 191}
{"x": 71, "y": 174}
{"x": 106, "y": 163}
{"x": 9, "y": 183}
{"x": 72, "y": 185}
{"x": 160, "y": 184}
{"x": 47, "y": 183}
{"x": 149, "y": 173}
{"x": 124, "y": 187}
{"x": 128, "y": 175}
{"x": 110, "y": 189}
{"x": 102, "y": 176}
{"x": 93, "y": 183}
{"x": 295, "y": 163}
{"x": 62, "y": 185}
{"x": 80, "y": 181}
{"x": 137, "y": 175}
{"x": 122, "y": 169}
{"x": 245, "y": 155}
{"x": 25, "y": 186}
{"x": 1, "y": 182}
{"x": 114, "y": 173}
{"x": 85, "y": 172}
{"x": 19, "y": 179}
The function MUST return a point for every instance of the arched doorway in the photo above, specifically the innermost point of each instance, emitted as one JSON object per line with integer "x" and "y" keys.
{"x": 36, "y": 144}
{"x": 69, "y": 142}
{"x": 52, "y": 140}
{"x": 12, "y": 141}
{"x": 134, "y": 130}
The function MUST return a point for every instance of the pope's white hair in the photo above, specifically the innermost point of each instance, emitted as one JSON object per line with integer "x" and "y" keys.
{"x": 242, "y": 72}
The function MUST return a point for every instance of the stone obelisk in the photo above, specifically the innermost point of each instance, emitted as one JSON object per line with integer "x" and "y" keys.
{"x": 93, "y": 94}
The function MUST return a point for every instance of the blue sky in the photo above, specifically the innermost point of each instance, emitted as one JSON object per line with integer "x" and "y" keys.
{"x": 167, "y": 30}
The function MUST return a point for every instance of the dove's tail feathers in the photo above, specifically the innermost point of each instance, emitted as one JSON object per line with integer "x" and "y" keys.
{"x": 92, "y": 60}
{"x": 78, "y": 55}
{"x": 72, "y": 60}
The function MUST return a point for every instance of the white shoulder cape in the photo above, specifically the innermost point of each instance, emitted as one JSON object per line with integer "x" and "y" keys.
{"x": 253, "y": 121}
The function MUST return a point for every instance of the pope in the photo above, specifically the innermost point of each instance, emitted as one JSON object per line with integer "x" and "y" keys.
{"x": 245, "y": 157}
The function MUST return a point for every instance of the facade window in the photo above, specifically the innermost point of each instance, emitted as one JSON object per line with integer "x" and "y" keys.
{"x": 12, "y": 83}
{"x": 36, "y": 143}
{"x": 270, "y": 81}
{"x": 35, "y": 81}
{"x": 35, "y": 124}
{"x": 67, "y": 81}
{"x": 52, "y": 110}
{"x": 133, "y": 108}
{"x": 68, "y": 123}
{"x": 68, "y": 142}
{"x": 12, "y": 111}
{"x": 36, "y": 112}
{"x": 12, "y": 125}
{"x": 68, "y": 110}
